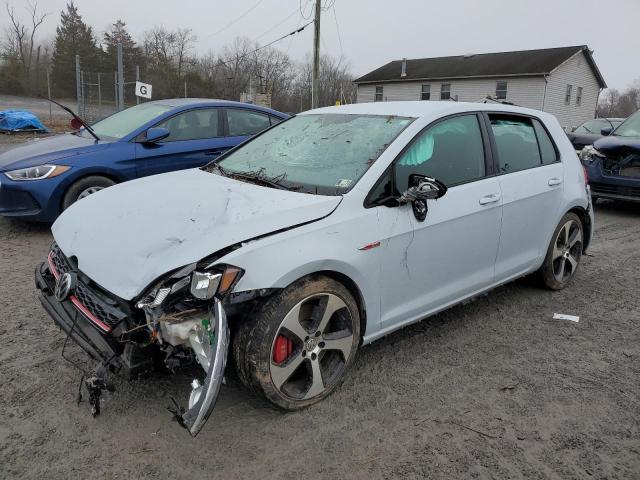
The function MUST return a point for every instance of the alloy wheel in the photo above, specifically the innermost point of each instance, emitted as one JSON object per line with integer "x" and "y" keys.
{"x": 88, "y": 191}
{"x": 567, "y": 250}
{"x": 312, "y": 346}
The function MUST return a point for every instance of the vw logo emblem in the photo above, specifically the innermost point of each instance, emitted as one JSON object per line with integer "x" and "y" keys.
{"x": 64, "y": 286}
{"x": 310, "y": 344}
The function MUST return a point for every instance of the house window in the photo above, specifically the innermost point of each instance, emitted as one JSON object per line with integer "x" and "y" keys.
{"x": 379, "y": 92}
{"x": 501, "y": 90}
{"x": 579, "y": 96}
{"x": 567, "y": 97}
{"x": 445, "y": 91}
{"x": 426, "y": 92}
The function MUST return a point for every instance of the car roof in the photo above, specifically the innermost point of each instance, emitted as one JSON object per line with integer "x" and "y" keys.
{"x": 422, "y": 109}
{"x": 211, "y": 102}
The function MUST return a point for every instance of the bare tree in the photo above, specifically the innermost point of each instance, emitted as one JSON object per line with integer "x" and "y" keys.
{"x": 21, "y": 38}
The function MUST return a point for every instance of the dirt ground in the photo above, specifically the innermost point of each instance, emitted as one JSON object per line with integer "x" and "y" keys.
{"x": 492, "y": 389}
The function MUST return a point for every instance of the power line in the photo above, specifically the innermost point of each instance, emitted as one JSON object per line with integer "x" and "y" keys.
{"x": 233, "y": 22}
{"x": 219, "y": 64}
{"x": 335, "y": 16}
{"x": 302, "y": 10}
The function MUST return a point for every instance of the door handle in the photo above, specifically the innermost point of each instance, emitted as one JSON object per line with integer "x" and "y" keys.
{"x": 554, "y": 181}
{"x": 494, "y": 197}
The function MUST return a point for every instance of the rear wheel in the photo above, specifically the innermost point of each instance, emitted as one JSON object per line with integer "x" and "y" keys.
{"x": 85, "y": 187}
{"x": 564, "y": 253}
{"x": 302, "y": 343}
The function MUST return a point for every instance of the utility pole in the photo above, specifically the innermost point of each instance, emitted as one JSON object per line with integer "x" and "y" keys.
{"x": 315, "y": 97}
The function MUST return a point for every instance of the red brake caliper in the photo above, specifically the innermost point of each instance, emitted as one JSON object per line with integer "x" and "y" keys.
{"x": 282, "y": 348}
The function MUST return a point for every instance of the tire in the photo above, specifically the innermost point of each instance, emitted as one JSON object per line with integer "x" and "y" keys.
{"x": 84, "y": 187}
{"x": 564, "y": 253}
{"x": 322, "y": 346}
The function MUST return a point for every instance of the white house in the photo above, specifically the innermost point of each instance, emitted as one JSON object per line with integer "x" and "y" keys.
{"x": 563, "y": 81}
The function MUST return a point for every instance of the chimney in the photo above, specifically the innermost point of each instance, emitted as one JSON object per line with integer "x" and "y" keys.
{"x": 403, "y": 73}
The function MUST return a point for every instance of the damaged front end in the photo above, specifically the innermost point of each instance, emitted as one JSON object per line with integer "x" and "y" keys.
{"x": 178, "y": 322}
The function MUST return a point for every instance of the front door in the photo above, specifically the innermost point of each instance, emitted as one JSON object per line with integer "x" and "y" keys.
{"x": 451, "y": 254}
{"x": 195, "y": 139}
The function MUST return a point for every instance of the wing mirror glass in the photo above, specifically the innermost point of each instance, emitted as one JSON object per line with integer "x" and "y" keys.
{"x": 155, "y": 134}
{"x": 606, "y": 131}
{"x": 421, "y": 189}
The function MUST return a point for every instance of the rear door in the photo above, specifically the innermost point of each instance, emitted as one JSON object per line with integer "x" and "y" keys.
{"x": 531, "y": 177}
{"x": 243, "y": 123}
{"x": 196, "y": 138}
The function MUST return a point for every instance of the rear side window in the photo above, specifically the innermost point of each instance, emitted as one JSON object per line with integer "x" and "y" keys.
{"x": 516, "y": 143}
{"x": 246, "y": 122}
{"x": 547, "y": 150}
{"x": 192, "y": 125}
{"x": 451, "y": 151}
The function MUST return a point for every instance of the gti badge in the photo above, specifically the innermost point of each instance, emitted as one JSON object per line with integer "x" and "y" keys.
{"x": 64, "y": 286}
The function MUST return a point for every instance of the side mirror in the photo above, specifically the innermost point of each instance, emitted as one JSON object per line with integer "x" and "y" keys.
{"x": 422, "y": 189}
{"x": 606, "y": 131}
{"x": 155, "y": 134}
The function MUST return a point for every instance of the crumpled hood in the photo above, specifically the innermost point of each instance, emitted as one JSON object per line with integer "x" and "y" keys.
{"x": 47, "y": 150}
{"x": 618, "y": 145}
{"x": 126, "y": 236}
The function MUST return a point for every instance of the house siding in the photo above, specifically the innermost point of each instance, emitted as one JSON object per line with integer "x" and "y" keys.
{"x": 522, "y": 91}
{"x": 576, "y": 72}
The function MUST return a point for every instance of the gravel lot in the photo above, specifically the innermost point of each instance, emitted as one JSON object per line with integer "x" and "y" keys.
{"x": 492, "y": 389}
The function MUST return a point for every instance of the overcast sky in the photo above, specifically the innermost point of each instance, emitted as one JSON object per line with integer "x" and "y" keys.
{"x": 374, "y": 32}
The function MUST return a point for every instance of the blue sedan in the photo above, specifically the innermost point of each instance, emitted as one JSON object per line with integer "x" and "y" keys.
{"x": 39, "y": 179}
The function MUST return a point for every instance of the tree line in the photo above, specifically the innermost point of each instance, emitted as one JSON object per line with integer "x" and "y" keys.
{"x": 165, "y": 58}
{"x": 616, "y": 104}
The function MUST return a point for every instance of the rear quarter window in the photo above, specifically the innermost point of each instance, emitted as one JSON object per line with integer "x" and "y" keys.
{"x": 548, "y": 151}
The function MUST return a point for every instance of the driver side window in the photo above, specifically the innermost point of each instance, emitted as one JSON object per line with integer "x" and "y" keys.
{"x": 451, "y": 151}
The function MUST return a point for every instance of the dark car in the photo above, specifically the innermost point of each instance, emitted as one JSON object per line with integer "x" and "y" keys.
{"x": 39, "y": 179}
{"x": 613, "y": 162}
{"x": 592, "y": 130}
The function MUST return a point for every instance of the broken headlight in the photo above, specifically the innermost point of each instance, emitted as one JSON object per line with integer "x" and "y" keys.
{"x": 203, "y": 285}
{"x": 590, "y": 154}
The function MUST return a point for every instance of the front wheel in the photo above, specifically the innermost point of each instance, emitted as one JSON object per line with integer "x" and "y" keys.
{"x": 302, "y": 343}
{"x": 85, "y": 187}
{"x": 564, "y": 253}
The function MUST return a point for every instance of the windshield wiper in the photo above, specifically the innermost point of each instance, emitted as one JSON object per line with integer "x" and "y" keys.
{"x": 260, "y": 179}
{"x": 82, "y": 122}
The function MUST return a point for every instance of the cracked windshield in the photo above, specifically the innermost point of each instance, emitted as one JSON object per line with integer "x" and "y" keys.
{"x": 324, "y": 154}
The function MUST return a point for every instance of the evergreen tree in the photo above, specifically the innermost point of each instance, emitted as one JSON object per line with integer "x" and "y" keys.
{"x": 131, "y": 53}
{"x": 73, "y": 37}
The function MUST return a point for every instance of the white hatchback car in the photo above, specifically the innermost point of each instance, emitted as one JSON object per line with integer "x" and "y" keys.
{"x": 323, "y": 233}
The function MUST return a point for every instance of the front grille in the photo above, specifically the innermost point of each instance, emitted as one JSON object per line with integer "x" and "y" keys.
{"x": 615, "y": 189}
{"x": 92, "y": 303}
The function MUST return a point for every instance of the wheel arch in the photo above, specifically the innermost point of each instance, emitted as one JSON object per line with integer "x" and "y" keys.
{"x": 111, "y": 176}
{"x": 353, "y": 288}
{"x": 585, "y": 219}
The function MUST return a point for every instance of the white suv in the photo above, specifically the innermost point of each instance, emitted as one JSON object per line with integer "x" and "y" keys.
{"x": 327, "y": 231}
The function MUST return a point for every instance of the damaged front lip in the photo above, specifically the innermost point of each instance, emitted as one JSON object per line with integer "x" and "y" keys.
{"x": 203, "y": 397}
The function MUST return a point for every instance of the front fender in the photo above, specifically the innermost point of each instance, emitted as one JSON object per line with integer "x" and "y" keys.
{"x": 279, "y": 260}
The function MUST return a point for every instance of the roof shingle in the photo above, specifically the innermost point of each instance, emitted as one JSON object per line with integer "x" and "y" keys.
{"x": 524, "y": 62}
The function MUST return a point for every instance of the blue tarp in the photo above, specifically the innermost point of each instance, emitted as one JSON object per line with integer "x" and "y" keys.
{"x": 20, "y": 120}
